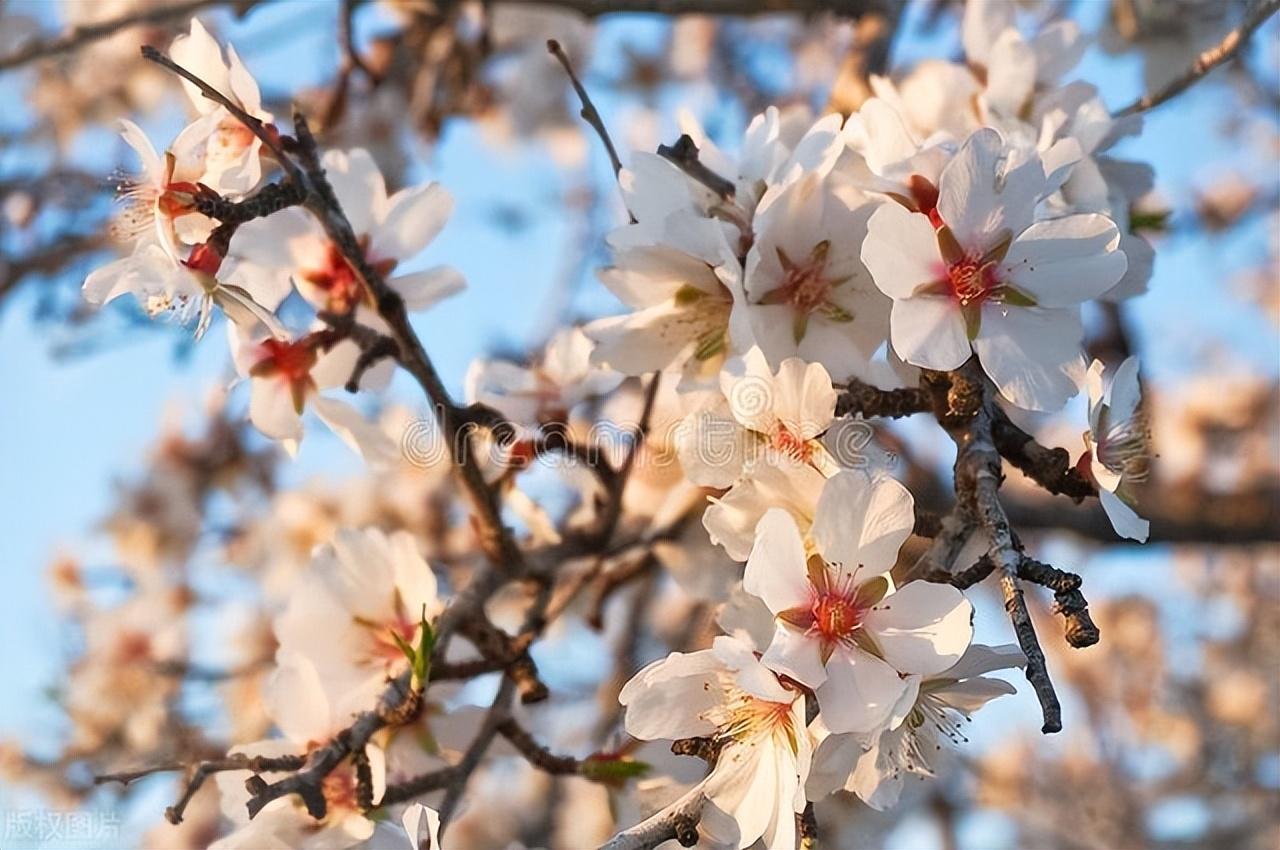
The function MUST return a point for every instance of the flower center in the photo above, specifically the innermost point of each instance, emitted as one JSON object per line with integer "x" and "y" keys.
{"x": 230, "y": 139}
{"x": 786, "y": 442}
{"x": 744, "y": 717}
{"x": 836, "y": 616}
{"x": 338, "y": 281}
{"x": 1124, "y": 449}
{"x": 290, "y": 362}
{"x": 806, "y": 288}
{"x": 805, "y": 285}
{"x": 971, "y": 281}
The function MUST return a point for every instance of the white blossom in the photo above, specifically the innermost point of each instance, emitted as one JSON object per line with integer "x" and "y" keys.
{"x": 389, "y": 229}
{"x": 1118, "y": 445}
{"x": 756, "y": 788}
{"x": 842, "y": 629}
{"x": 982, "y": 276}
{"x": 933, "y": 708}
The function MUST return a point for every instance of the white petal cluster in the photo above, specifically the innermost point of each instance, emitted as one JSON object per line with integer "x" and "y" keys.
{"x": 177, "y": 267}
{"x": 967, "y": 212}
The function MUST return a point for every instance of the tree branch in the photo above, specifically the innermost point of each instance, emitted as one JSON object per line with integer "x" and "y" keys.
{"x": 1255, "y": 16}
{"x": 677, "y": 821}
{"x": 595, "y": 8}
{"x": 964, "y": 406}
{"x": 89, "y": 33}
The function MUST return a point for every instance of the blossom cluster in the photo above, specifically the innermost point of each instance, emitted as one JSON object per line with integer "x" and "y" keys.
{"x": 965, "y": 212}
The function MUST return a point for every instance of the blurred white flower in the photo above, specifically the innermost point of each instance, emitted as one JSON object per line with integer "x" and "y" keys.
{"x": 756, "y": 788}
{"x": 231, "y": 162}
{"x": 932, "y": 708}
{"x": 390, "y": 229}
{"x": 546, "y": 391}
{"x": 983, "y": 277}
{"x": 1119, "y": 446}
{"x": 841, "y": 627}
{"x": 361, "y": 593}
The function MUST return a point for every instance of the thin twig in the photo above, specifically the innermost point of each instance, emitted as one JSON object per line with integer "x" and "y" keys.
{"x": 1255, "y": 16}
{"x": 88, "y": 33}
{"x": 589, "y": 112}
{"x": 677, "y": 821}
{"x": 270, "y": 139}
{"x": 965, "y": 407}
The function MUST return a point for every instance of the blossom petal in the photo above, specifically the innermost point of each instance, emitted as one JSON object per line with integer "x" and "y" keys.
{"x": 1124, "y": 519}
{"x": 423, "y": 290}
{"x": 795, "y": 654}
{"x": 979, "y": 660}
{"x": 929, "y": 331}
{"x": 776, "y": 569}
{"x": 863, "y": 521}
{"x": 1011, "y": 73}
{"x": 804, "y": 398}
{"x": 1124, "y": 392}
{"x": 970, "y": 695}
{"x": 153, "y": 165}
{"x": 360, "y": 188}
{"x": 922, "y": 628}
{"x": 415, "y": 216}
{"x": 1065, "y": 261}
{"x": 365, "y": 438}
{"x": 667, "y": 698}
{"x": 860, "y": 692}
{"x": 901, "y": 251}
{"x": 712, "y": 447}
{"x": 271, "y": 409}
{"x": 1032, "y": 354}
{"x": 988, "y": 192}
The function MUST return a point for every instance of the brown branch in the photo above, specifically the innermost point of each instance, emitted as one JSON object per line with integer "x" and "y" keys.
{"x": 1255, "y": 16}
{"x": 595, "y": 8}
{"x": 678, "y": 821}
{"x": 964, "y": 406}
{"x": 536, "y": 754}
{"x": 200, "y": 771}
{"x": 1050, "y": 468}
{"x": 862, "y": 399}
{"x": 588, "y": 112}
{"x": 87, "y": 34}
{"x": 684, "y": 155}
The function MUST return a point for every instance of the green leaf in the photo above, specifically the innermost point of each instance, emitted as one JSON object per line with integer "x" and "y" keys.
{"x": 420, "y": 656}
{"x": 426, "y": 645}
{"x": 1157, "y": 220}
{"x": 612, "y": 769}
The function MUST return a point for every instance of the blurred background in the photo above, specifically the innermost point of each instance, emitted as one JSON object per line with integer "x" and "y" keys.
{"x": 125, "y": 455}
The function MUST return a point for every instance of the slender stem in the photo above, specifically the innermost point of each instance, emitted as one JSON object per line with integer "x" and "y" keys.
{"x": 1254, "y": 17}
{"x": 148, "y": 13}
{"x": 589, "y": 112}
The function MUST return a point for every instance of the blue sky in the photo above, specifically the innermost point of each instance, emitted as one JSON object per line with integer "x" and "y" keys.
{"x": 75, "y": 424}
